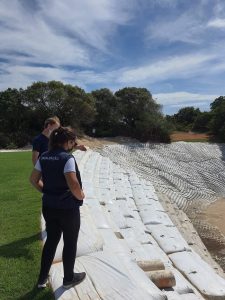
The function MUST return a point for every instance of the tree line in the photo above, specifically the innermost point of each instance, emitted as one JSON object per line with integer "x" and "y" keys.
{"x": 192, "y": 119}
{"x": 128, "y": 112}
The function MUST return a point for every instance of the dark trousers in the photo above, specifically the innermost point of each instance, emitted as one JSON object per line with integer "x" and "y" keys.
{"x": 58, "y": 221}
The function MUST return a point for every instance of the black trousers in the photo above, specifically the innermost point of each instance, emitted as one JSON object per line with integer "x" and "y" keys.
{"x": 58, "y": 221}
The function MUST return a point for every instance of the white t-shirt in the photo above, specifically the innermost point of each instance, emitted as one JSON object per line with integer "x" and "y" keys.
{"x": 69, "y": 166}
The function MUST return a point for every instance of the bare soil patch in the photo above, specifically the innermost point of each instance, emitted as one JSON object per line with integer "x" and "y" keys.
{"x": 94, "y": 143}
{"x": 189, "y": 136}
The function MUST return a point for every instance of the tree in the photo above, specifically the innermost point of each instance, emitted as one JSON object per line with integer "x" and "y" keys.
{"x": 141, "y": 116}
{"x": 201, "y": 122}
{"x": 70, "y": 103}
{"x": 218, "y": 102}
{"x": 132, "y": 103}
{"x": 186, "y": 116}
{"x": 107, "y": 114}
{"x": 45, "y": 99}
{"x": 78, "y": 109}
{"x": 14, "y": 118}
{"x": 217, "y": 122}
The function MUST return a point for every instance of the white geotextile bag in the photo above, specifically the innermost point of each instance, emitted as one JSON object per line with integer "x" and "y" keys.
{"x": 119, "y": 248}
{"x": 139, "y": 277}
{"x": 124, "y": 208}
{"x": 106, "y": 279}
{"x": 106, "y": 195}
{"x": 156, "y": 205}
{"x": 121, "y": 192}
{"x": 183, "y": 286}
{"x": 111, "y": 278}
{"x": 116, "y": 215}
{"x": 150, "y": 252}
{"x": 150, "y": 216}
{"x": 89, "y": 239}
{"x": 135, "y": 233}
{"x": 97, "y": 213}
{"x": 168, "y": 238}
{"x": 83, "y": 291}
{"x": 138, "y": 194}
{"x": 200, "y": 274}
{"x": 176, "y": 296}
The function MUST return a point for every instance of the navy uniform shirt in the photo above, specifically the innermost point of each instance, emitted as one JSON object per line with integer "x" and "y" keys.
{"x": 56, "y": 193}
{"x": 40, "y": 144}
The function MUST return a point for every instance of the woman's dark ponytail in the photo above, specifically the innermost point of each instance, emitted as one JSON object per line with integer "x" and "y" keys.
{"x": 60, "y": 136}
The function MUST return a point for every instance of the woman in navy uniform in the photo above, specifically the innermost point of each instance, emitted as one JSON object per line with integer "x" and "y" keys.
{"x": 57, "y": 176}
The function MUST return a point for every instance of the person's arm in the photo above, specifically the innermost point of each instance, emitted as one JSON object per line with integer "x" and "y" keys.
{"x": 35, "y": 155}
{"x": 35, "y": 179}
{"x": 80, "y": 147}
{"x": 74, "y": 185}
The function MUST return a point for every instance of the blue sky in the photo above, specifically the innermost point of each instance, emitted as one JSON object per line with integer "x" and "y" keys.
{"x": 174, "y": 48}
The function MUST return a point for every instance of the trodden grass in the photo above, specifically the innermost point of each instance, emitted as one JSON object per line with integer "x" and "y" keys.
{"x": 20, "y": 247}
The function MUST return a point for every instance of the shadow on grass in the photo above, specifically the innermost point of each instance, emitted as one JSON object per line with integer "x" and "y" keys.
{"x": 38, "y": 294}
{"x": 19, "y": 248}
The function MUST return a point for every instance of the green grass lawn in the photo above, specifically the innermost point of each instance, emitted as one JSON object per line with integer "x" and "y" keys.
{"x": 20, "y": 247}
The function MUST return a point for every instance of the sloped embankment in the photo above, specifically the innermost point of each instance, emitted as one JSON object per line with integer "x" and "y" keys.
{"x": 192, "y": 175}
{"x": 123, "y": 222}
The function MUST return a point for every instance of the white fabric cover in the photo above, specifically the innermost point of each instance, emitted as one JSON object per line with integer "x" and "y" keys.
{"x": 89, "y": 239}
{"x": 117, "y": 215}
{"x": 175, "y": 296}
{"x": 119, "y": 248}
{"x": 150, "y": 216}
{"x": 97, "y": 213}
{"x": 107, "y": 279}
{"x": 200, "y": 274}
{"x": 168, "y": 238}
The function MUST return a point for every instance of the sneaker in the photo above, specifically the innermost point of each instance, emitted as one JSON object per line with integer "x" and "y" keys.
{"x": 77, "y": 278}
{"x": 42, "y": 285}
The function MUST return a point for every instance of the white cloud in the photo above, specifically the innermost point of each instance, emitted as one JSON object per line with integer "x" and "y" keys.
{"x": 219, "y": 8}
{"x": 217, "y": 23}
{"x": 57, "y": 33}
{"x": 61, "y": 32}
{"x": 186, "y": 27}
{"x": 22, "y": 76}
{"x": 177, "y": 99}
{"x": 31, "y": 35}
{"x": 172, "y": 67}
{"x": 90, "y": 21}
{"x": 164, "y": 3}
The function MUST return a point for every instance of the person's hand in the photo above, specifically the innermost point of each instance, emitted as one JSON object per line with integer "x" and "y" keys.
{"x": 81, "y": 148}
{"x": 83, "y": 196}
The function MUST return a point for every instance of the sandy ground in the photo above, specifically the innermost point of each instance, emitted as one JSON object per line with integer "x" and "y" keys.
{"x": 212, "y": 230}
{"x": 214, "y": 214}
